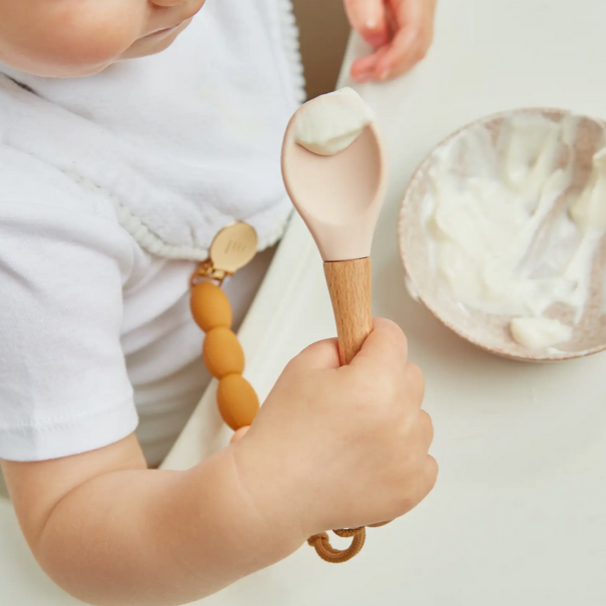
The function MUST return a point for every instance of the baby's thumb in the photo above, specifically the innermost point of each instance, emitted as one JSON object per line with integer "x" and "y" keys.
{"x": 318, "y": 356}
{"x": 368, "y": 18}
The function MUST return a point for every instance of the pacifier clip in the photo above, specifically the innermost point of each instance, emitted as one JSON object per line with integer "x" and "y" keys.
{"x": 233, "y": 248}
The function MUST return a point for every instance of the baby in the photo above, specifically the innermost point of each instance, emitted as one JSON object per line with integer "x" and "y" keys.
{"x": 114, "y": 178}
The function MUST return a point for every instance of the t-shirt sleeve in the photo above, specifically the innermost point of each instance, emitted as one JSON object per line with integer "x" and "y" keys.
{"x": 64, "y": 388}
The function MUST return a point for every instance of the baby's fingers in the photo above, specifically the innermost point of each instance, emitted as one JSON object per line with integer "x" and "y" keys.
{"x": 431, "y": 475}
{"x": 413, "y": 36}
{"x": 399, "y": 57}
{"x": 424, "y": 484}
{"x": 239, "y": 434}
{"x": 364, "y": 69}
{"x": 368, "y": 18}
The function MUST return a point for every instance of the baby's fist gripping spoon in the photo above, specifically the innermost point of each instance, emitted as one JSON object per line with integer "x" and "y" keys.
{"x": 334, "y": 169}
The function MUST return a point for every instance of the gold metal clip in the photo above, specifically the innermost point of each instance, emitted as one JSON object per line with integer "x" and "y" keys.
{"x": 231, "y": 249}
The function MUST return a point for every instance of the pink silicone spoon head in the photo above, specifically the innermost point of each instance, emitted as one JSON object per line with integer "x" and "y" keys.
{"x": 338, "y": 196}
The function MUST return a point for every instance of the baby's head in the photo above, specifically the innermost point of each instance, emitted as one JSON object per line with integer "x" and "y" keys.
{"x": 71, "y": 38}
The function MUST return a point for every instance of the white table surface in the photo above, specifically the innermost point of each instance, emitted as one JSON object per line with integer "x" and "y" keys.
{"x": 519, "y": 512}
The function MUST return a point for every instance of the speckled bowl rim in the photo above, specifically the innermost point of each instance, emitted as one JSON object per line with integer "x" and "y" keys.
{"x": 419, "y": 173}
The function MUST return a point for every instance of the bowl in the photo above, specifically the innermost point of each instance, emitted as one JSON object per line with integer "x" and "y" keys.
{"x": 462, "y": 237}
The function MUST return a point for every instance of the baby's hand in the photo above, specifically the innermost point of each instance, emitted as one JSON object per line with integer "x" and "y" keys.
{"x": 331, "y": 448}
{"x": 340, "y": 447}
{"x": 400, "y": 32}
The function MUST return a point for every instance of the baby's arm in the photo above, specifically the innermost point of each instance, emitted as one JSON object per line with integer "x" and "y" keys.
{"x": 330, "y": 448}
{"x": 110, "y": 531}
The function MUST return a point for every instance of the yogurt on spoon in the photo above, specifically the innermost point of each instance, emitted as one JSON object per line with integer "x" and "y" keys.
{"x": 330, "y": 123}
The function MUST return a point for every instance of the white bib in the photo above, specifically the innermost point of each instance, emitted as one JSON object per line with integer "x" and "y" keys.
{"x": 184, "y": 142}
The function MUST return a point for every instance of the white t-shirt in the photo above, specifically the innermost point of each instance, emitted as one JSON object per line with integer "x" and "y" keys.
{"x": 111, "y": 187}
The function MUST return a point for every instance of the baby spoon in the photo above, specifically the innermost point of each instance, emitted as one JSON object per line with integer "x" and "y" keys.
{"x": 339, "y": 196}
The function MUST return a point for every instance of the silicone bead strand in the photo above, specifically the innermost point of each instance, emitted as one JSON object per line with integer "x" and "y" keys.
{"x": 223, "y": 355}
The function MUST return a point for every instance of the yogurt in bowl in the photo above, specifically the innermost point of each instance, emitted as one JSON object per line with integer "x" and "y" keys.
{"x": 502, "y": 233}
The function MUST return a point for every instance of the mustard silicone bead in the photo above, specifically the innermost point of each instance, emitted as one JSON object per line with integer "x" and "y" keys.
{"x": 222, "y": 353}
{"x": 237, "y": 400}
{"x": 210, "y": 306}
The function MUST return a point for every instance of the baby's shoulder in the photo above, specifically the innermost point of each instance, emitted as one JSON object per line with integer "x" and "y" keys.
{"x": 30, "y": 185}
{"x": 43, "y": 208}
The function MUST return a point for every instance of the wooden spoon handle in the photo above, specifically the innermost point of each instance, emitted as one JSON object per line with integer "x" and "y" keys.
{"x": 349, "y": 287}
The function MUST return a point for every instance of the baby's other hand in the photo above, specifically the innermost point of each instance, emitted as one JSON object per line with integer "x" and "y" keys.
{"x": 400, "y": 32}
{"x": 340, "y": 447}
